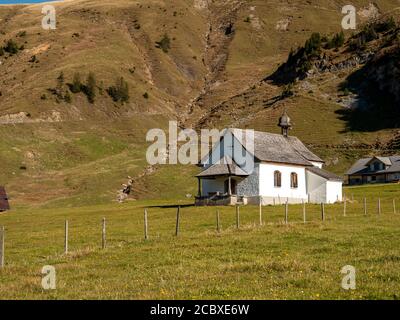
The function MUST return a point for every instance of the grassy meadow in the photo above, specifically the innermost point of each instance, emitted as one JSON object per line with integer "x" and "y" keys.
{"x": 67, "y": 160}
{"x": 273, "y": 261}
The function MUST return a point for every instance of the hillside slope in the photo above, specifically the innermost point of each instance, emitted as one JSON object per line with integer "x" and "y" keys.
{"x": 200, "y": 62}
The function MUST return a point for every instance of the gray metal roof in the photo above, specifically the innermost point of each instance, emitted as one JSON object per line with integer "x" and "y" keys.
{"x": 361, "y": 166}
{"x": 271, "y": 147}
{"x": 225, "y": 167}
{"x": 324, "y": 174}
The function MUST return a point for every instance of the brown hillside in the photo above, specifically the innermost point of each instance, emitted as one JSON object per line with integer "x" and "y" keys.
{"x": 200, "y": 62}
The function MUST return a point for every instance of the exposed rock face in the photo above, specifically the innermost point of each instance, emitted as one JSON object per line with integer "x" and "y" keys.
{"x": 25, "y": 117}
{"x": 20, "y": 117}
{"x": 325, "y": 63}
{"x": 283, "y": 25}
{"x": 200, "y": 4}
{"x": 369, "y": 12}
{"x": 125, "y": 191}
{"x": 370, "y": 58}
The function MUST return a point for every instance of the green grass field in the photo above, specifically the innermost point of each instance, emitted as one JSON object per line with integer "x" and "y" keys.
{"x": 273, "y": 261}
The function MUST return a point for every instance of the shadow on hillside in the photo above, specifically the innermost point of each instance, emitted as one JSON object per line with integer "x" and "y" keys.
{"x": 372, "y": 109}
{"x": 169, "y": 206}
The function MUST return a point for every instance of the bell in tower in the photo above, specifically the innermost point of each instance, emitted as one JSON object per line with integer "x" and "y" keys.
{"x": 285, "y": 124}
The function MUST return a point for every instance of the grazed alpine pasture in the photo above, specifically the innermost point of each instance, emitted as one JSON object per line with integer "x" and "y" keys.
{"x": 54, "y": 149}
{"x": 273, "y": 261}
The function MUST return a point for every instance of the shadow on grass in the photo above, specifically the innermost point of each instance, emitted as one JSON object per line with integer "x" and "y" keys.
{"x": 169, "y": 206}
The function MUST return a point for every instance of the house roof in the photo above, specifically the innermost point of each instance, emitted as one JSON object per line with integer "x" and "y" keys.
{"x": 361, "y": 166}
{"x": 271, "y": 147}
{"x": 224, "y": 167}
{"x": 3, "y": 200}
{"x": 324, "y": 174}
{"x": 385, "y": 160}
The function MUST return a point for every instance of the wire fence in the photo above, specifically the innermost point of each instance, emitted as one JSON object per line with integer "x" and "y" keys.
{"x": 162, "y": 223}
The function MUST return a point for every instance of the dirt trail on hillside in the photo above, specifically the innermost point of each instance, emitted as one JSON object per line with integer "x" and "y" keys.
{"x": 221, "y": 18}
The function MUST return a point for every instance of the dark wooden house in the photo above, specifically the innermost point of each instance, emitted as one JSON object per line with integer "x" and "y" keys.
{"x": 4, "y": 205}
{"x": 374, "y": 170}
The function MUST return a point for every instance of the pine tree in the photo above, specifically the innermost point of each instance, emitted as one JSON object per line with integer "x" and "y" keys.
{"x": 76, "y": 86}
{"x": 313, "y": 45}
{"x": 124, "y": 90}
{"x": 119, "y": 92}
{"x": 91, "y": 87}
{"x": 60, "y": 86}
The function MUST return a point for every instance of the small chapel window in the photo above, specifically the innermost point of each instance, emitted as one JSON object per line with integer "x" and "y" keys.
{"x": 277, "y": 179}
{"x": 293, "y": 180}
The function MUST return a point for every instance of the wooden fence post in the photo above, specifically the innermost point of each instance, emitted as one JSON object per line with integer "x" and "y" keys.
{"x": 304, "y": 212}
{"x": 323, "y": 211}
{"x": 344, "y": 207}
{"x": 394, "y": 206}
{"x": 365, "y": 206}
{"x": 2, "y": 245}
{"x": 286, "y": 212}
{"x": 145, "y": 225}
{"x": 260, "y": 209}
{"x": 66, "y": 237}
{"x": 177, "y": 221}
{"x": 379, "y": 205}
{"x": 237, "y": 217}
{"x": 103, "y": 234}
{"x": 218, "y": 223}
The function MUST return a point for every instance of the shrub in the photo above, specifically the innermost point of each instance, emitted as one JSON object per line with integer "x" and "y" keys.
{"x": 370, "y": 33}
{"x": 386, "y": 25}
{"x": 164, "y": 43}
{"x": 358, "y": 43}
{"x": 76, "y": 85}
{"x": 59, "y": 91}
{"x": 90, "y": 87}
{"x": 119, "y": 92}
{"x": 313, "y": 45}
{"x": 337, "y": 41}
{"x": 11, "y": 47}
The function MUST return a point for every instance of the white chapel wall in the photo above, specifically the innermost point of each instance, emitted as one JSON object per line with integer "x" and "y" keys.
{"x": 267, "y": 188}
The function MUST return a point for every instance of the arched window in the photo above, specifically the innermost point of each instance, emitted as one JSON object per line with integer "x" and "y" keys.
{"x": 293, "y": 180}
{"x": 277, "y": 179}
